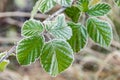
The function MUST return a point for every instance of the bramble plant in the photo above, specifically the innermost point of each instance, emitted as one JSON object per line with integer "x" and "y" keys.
{"x": 54, "y": 41}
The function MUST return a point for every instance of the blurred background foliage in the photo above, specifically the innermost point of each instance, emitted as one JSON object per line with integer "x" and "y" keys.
{"x": 93, "y": 63}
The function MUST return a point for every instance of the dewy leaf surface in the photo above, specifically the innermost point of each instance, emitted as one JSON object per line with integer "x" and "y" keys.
{"x": 57, "y": 56}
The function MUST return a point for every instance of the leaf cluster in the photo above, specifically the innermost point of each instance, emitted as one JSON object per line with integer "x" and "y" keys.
{"x": 53, "y": 42}
{"x": 63, "y": 37}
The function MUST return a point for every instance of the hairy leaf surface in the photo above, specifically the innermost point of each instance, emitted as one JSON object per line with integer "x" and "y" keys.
{"x": 79, "y": 37}
{"x": 46, "y": 5}
{"x": 57, "y": 56}
{"x": 65, "y": 3}
{"x": 29, "y": 49}
{"x": 73, "y": 12}
{"x": 99, "y": 9}
{"x": 59, "y": 28}
{"x": 99, "y": 31}
{"x": 32, "y": 27}
{"x": 83, "y": 5}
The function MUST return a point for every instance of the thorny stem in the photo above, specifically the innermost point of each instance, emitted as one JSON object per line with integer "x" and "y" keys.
{"x": 49, "y": 18}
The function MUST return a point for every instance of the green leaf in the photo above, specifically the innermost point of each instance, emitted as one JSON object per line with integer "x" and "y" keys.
{"x": 83, "y": 5}
{"x": 79, "y": 37}
{"x": 3, "y": 65}
{"x": 35, "y": 9}
{"x": 2, "y": 54}
{"x": 99, "y": 31}
{"x": 32, "y": 27}
{"x": 65, "y": 3}
{"x": 46, "y": 5}
{"x": 73, "y": 12}
{"x": 56, "y": 56}
{"x": 29, "y": 49}
{"x": 99, "y": 9}
{"x": 117, "y": 2}
{"x": 59, "y": 28}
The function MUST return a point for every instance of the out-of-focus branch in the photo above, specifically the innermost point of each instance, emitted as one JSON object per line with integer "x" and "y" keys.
{"x": 8, "y": 40}
{"x": 21, "y": 14}
{"x": 13, "y": 22}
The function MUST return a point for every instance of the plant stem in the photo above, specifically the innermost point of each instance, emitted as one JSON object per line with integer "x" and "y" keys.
{"x": 8, "y": 53}
{"x": 55, "y": 14}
